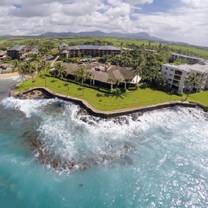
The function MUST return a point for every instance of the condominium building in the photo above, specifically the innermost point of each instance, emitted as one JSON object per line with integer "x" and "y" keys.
{"x": 87, "y": 50}
{"x": 187, "y": 59}
{"x": 21, "y": 51}
{"x": 176, "y": 76}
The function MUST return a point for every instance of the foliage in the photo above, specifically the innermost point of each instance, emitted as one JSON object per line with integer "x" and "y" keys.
{"x": 138, "y": 98}
{"x": 192, "y": 82}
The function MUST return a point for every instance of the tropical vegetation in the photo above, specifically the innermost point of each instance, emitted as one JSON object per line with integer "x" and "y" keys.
{"x": 143, "y": 56}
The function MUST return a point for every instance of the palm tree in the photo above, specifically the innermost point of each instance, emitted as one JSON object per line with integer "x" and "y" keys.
{"x": 21, "y": 70}
{"x": 24, "y": 68}
{"x": 60, "y": 70}
{"x": 16, "y": 65}
{"x": 81, "y": 75}
{"x": 93, "y": 79}
{"x": 88, "y": 76}
{"x": 111, "y": 84}
{"x": 140, "y": 68}
{"x": 192, "y": 82}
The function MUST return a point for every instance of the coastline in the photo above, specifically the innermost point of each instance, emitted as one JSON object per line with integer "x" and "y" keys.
{"x": 9, "y": 75}
{"x": 37, "y": 93}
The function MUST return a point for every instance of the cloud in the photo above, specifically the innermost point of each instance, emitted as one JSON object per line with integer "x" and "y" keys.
{"x": 187, "y": 21}
{"x": 195, "y": 3}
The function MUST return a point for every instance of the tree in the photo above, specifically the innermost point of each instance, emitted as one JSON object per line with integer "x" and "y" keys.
{"x": 192, "y": 83}
{"x": 16, "y": 65}
{"x": 88, "y": 76}
{"x": 111, "y": 84}
{"x": 140, "y": 67}
{"x": 81, "y": 74}
{"x": 60, "y": 69}
{"x": 26, "y": 68}
{"x": 151, "y": 72}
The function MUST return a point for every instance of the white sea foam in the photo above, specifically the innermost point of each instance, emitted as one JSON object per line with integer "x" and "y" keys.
{"x": 73, "y": 136}
{"x": 26, "y": 106}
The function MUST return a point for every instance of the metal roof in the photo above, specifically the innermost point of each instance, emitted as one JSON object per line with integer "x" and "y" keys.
{"x": 17, "y": 48}
{"x": 188, "y": 57}
{"x": 188, "y": 68}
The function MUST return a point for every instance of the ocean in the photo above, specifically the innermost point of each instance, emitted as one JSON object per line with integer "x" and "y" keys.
{"x": 53, "y": 154}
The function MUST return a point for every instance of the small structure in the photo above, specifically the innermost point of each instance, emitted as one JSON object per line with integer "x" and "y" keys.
{"x": 187, "y": 59}
{"x": 176, "y": 76}
{"x": 87, "y": 50}
{"x": 101, "y": 75}
{"x": 21, "y": 51}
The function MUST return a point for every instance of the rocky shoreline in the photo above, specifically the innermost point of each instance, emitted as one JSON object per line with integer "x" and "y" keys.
{"x": 43, "y": 93}
{"x": 57, "y": 163}
{"x": 35, "y": 94}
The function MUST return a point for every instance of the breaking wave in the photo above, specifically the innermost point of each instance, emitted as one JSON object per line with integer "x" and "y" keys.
{"x": 70, "y": 139}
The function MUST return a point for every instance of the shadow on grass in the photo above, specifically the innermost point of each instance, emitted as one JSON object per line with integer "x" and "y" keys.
{"x": 53, "y": 81}
{"x": 108, "y": 95}
{"x": 66, "y": 85}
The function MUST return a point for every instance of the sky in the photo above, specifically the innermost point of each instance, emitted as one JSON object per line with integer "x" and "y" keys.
{"x": 174, "y": 20}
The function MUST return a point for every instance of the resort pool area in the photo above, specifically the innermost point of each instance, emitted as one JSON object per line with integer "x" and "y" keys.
{"x": 53, "y": 154}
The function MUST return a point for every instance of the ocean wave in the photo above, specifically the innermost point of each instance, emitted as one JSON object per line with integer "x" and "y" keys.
{"x": 28, "y": 107}
{"x": 69, "y": 138}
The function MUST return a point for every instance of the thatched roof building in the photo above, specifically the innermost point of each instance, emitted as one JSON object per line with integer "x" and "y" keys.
{"x": 102, "y": 74}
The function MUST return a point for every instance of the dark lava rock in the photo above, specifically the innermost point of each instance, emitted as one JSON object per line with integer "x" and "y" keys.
{"x": 35, "y": 94}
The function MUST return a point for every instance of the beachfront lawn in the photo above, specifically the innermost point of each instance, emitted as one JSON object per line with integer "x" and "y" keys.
{"x": 201, "y": 97}
{"x": 106, "y": 102}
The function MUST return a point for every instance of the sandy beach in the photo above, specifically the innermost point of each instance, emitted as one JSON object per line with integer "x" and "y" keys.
{"x": 9, "y": 75}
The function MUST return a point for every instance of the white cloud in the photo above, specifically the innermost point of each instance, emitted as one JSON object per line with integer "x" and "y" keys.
{"x": 188, "y": 22}
{"x": 195, "y": 3}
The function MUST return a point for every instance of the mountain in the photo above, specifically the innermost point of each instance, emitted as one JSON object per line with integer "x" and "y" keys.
{"x": 141, "y": 35}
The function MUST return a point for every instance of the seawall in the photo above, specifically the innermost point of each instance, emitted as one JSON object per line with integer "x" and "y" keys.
{"x": 110, "y": 114}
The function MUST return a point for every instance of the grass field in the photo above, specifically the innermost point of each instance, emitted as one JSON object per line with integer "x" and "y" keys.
{"x": 106, "y": 102}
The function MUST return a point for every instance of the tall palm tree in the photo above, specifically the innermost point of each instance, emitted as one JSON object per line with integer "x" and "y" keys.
{"x": 81, "y": 75}
{"x": 60, "y": 70}
{"x": 16, "y": 65}
{"x": 140, "y": 68}
{"x": 23, "y": 69}
{"x": 88, "y": 76}
{"x": 111, "y": 84}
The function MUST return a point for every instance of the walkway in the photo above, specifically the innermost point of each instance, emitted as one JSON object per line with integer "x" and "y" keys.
{"x": 108, "y": 114}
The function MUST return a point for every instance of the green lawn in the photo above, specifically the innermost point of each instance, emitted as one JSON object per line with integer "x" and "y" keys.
{"x": 201, "y": 97}
{"x": 106, "y": 102}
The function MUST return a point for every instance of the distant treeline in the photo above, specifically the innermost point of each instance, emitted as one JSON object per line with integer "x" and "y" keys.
{"x": 128, "y": 43}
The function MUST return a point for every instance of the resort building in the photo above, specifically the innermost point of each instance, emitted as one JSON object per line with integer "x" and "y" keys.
{"x": 176, "y": 76}
{"x": 101, "y": 75}
{"x": 187, "y": 59}
{"x": 87, "y": 50}
{"x": 17, "y": 51}
{"x": 21, "y": 51}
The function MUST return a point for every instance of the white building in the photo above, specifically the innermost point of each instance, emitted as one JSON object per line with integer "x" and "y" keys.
{"x": 187, "y": 59}
{"x": 176, "y": 76}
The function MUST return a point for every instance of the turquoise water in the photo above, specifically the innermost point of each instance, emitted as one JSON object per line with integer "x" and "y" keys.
{"x": 159, "y": 159}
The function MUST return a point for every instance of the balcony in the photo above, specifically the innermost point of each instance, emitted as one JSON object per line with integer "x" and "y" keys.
{"x": 178, "y": 72}
{"x": 175, "y": 83}
{"x": 177, "y": 77}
